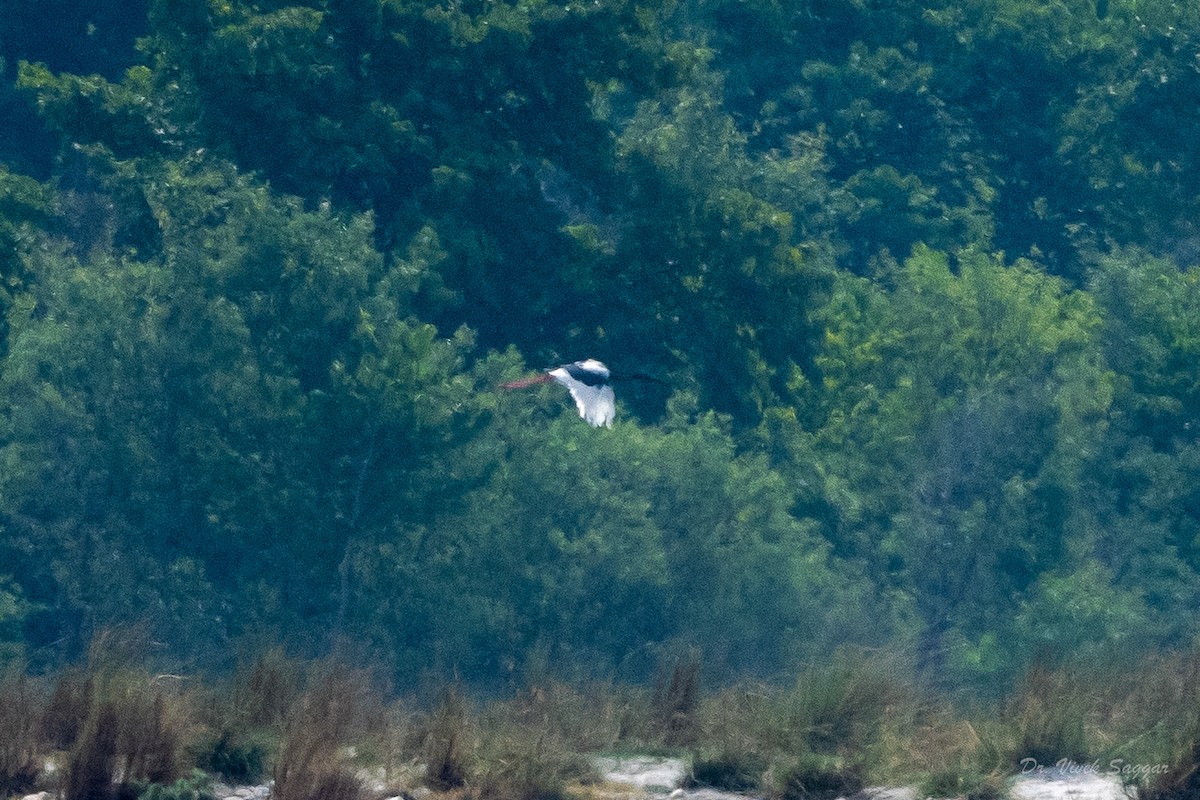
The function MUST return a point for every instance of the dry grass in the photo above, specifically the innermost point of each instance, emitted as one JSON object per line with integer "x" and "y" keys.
{"x": 1049, "y": 715}
{"x": 265, "y": 691}
{"x": 1181, "y": 778}
{"x": 852, "y": 716}
{"x": 1151, "y": 719}
{"x": 1146, "y": 715}
{"x": 67, "y": 709}
{"x": 90, "y": 772}
{"x": 341, "y": 706}
{"x": 118, "y": 724}
{"x": 449, "y": 742}
{"x": 520, "y": 763}
{"x": 676, "y": 698}
{"x": 19, "y": 746}
{"x": 587, "y": 718}
{"x": 531, "y": 747}
{"x": 858, "y": 719}
{"x": 135, "y": 731}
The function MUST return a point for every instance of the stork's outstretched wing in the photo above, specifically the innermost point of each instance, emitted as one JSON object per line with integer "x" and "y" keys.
{"x": 596, "y": 402}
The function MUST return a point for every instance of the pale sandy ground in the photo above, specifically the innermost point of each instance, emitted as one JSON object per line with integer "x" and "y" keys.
{"x": 635, "y": 777}
{"x": 655, "y": 778}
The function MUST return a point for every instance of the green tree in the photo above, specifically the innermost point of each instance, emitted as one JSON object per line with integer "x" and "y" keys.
{"x": 957, "y": 411}
{"x": 1143, "y": 501}
{"x": 197, "y": 425}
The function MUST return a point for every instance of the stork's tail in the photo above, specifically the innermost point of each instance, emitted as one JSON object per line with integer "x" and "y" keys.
{"x": 638, "y": 376}
{"x": 525, "y": 383}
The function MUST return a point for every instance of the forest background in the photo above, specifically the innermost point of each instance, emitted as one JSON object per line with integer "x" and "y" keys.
{"x": 921, "y": 279}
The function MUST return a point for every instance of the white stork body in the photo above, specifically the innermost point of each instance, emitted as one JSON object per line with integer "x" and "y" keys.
{"x": 588, "y": 383}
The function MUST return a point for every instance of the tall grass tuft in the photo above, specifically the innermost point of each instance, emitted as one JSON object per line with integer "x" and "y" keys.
{"x": 245, "y": 719}
{"x": 447, "y": 749}
{"x": 843, "y": 708}
{"x": 18, "y": 734}
{"x": 676, "y": 698}
{"x": 530, "y": 747}
{"x": 327, "y": 717}
{"x": 90, "y": 771}
{"x": 838, "y": 724}
{"x": 1179, "y": 781}
{"x": 151, "y": 735}
{"x": 129, "y": 728}
{"x": 589, "y": 717}
{"x": 67, "y": 709}
{"x": 517, "y": 762}
{"x": 1049, "y": 715}
{"x": 736, "y": 744}
{"x": 266, "y": 690}
{"x": 1156, "y": 721}
{"x": 134, "y": 732}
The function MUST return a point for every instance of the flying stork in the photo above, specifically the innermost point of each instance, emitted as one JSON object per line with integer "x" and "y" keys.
{"x": 588, "y": 382}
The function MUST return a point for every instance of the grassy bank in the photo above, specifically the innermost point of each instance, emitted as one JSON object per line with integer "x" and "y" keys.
{"x": 110, "y": 729}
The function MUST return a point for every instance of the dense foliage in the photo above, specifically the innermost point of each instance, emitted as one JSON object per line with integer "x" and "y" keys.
{"x": 922, "y": 280}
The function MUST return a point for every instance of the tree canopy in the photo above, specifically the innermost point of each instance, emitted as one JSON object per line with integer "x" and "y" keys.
{"x": 922, "y": 281}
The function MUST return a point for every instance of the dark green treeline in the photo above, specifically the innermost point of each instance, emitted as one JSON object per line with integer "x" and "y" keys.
{"x": 921, "y": 279}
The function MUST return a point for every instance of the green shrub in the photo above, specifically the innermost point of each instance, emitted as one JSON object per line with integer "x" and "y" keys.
{"x": 968, "y": 785}
{"x": 234, "y": 761}
{"x": 819, "y": 778}
{"x": 195, "y": 786}
{"x": 733, "y": 773}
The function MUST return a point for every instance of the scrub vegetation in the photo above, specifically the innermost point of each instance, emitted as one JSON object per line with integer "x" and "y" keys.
{"x": 345, "y": 734}
{"x": 921, "y": 281}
